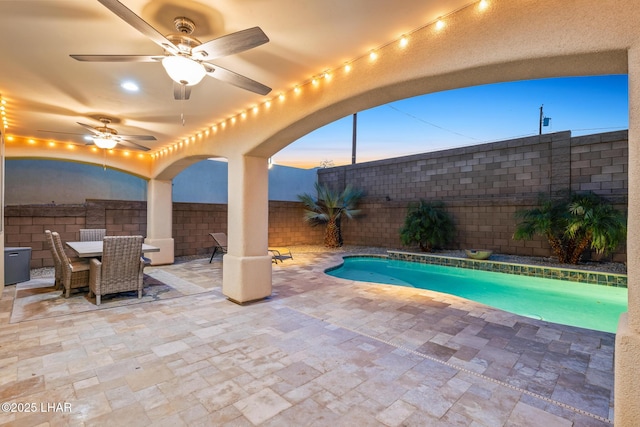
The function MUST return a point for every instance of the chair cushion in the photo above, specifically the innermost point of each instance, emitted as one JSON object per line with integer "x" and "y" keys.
{"x": 80, "y": 265}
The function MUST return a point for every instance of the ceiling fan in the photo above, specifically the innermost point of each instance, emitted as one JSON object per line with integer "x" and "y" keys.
{"x": 107, "y": 138}
{"x": 185, "y": 57}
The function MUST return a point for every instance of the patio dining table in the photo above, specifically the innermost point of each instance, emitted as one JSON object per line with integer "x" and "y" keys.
{"x": 94, "y": 249}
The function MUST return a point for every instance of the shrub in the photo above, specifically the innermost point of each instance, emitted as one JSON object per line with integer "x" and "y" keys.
{"x": 427, "y": 224}
{"x": 573, "y": 223}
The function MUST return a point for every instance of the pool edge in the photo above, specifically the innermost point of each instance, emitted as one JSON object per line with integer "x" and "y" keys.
{"x": 566, "y": 274}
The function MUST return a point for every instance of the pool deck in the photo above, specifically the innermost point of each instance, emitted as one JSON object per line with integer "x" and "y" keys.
{"x": 321, "y": 351}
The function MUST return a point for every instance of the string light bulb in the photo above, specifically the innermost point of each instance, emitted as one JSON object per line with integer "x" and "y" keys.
{"x": 440, "y": 24}
{"x": 404, "y": 41}
{"x": 373, "y": 55}
{"x": 483, "y": 4}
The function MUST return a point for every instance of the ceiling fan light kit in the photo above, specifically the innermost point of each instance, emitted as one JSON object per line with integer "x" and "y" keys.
{"x": 185, "y": 57}
{"x": 105, "y": 142}
{"x": 184, "y": 70}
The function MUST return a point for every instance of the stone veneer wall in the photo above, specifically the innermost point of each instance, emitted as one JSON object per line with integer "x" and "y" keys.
{"x": 192, "y": 223}
{"x": 483, "y": 186}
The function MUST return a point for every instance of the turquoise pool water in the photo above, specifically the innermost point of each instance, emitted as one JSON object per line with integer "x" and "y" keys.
{"x": 569, "y": 303}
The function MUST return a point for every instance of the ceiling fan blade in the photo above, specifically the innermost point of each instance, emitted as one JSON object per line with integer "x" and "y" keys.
{"x": 90, "y": 128}
{"x": 230, "y": 44}
{"x": 139, "y": 24}
{"x": 139, "y": 137}
{"x": 181, "y": 92}
{"x": 62, "y": 133}
{"x": 118, "y": 58}
{"x": 133, "y": 145}
{"x": 238, "y": 80}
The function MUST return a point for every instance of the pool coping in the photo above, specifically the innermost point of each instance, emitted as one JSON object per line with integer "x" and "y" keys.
{"x": 566, "y": 274}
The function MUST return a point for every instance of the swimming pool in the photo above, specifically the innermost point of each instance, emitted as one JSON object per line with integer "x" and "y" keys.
{"x": 569, "y": 303}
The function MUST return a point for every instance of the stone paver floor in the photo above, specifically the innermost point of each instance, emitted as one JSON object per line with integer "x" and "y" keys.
{"x": 320, "y": 351}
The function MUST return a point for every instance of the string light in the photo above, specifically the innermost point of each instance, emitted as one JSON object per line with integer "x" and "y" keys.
{"x": 373, "y": 54}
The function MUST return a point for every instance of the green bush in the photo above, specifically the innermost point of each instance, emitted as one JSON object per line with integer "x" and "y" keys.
{"x": 427, "y": 224}
{"x": 573, "y": 223}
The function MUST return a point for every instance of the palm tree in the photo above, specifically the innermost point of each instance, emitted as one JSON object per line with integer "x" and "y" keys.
{"x": 328, "y": 207}
{"x": 428, "y": 225}
{"x": 549, "y": 219}
{"x": 595, "y": 224}
{"x": 572, "y": 224}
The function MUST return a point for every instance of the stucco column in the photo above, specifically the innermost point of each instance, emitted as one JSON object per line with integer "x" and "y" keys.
{"x": 246, "y": 268}
{"x": 627, "y": 350}
{"x": 160, "y": 221}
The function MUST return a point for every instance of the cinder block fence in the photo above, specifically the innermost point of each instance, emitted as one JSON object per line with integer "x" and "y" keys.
{"x": 482, "y": 186}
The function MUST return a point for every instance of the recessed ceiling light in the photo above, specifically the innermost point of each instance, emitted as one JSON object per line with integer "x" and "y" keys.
{"x": 130, "y": 86}
{"x": 88, "y": 138}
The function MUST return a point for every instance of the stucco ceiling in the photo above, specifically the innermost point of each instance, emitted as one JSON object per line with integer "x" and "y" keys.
{"x": 45, "y": 89}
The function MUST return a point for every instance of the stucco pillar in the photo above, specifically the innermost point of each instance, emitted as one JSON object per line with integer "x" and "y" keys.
{"x": 160, "y": 221}
{"x": 627, "y": 350}
{"x": 246, "y": 268}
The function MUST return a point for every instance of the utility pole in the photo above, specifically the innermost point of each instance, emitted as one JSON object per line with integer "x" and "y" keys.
{"x": 541, "y": 117}
{"x": 353, "y": 139}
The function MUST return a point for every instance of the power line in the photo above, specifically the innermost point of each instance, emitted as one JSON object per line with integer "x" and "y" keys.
{"x": 432, "y": 124}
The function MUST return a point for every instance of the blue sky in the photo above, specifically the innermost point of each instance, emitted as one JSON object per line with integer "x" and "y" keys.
{"x": 468, "y": 116}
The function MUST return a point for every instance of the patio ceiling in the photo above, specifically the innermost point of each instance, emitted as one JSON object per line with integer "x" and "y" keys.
{"x": 45, "y": 89}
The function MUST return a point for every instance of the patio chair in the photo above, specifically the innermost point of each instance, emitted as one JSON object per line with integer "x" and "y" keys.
{"x": 121, "y": 267}
{"x": 92, "y": 234}
{"x": 280, "y": 254}
{"x": 57, "y": 262}
{"x": 221, "y": 243}
{"x": 75, "y": 274}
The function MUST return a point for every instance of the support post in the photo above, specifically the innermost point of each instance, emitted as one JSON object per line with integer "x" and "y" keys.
{"x": 627, "y": 347}
{"x": 160, "y": 221}
{"x": 246, "y": 268}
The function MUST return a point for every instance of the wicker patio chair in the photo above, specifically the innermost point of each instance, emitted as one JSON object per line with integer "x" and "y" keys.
{"x": 121, "y": 268}
{"x": 75, "y": 274}
{"x": 92, "y": 234}
{"x": 57, "y": 262}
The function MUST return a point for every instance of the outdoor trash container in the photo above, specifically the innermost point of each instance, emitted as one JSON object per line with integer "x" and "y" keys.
{"x": 17, "y": 265}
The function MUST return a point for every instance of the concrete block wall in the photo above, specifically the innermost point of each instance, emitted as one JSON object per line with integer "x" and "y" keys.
{"x": 599, "y": 163}
{"x": 192, "y": 223}
{"x": 483, "y": 186}
{"x": 287, "y": 226}
{"x": 25, "y": 225}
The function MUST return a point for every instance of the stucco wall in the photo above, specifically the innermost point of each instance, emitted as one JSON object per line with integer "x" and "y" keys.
{"x": 30, "y": 181}
{"x": 483, "y": 186}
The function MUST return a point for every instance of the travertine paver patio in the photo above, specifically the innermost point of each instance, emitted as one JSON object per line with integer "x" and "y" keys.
{"x": 321, "y": 351}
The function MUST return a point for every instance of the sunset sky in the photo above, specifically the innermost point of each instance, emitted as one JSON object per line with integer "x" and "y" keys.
{"x": 468, "y": 116}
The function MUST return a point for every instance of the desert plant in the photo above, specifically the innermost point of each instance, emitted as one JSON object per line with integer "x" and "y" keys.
{"x": 595, "y": 223}
{"x": 550, "y": 220}
{"x": 573, "y": 223}
{"x": 329, "y": 207}
{"x": 428, "y": 224}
